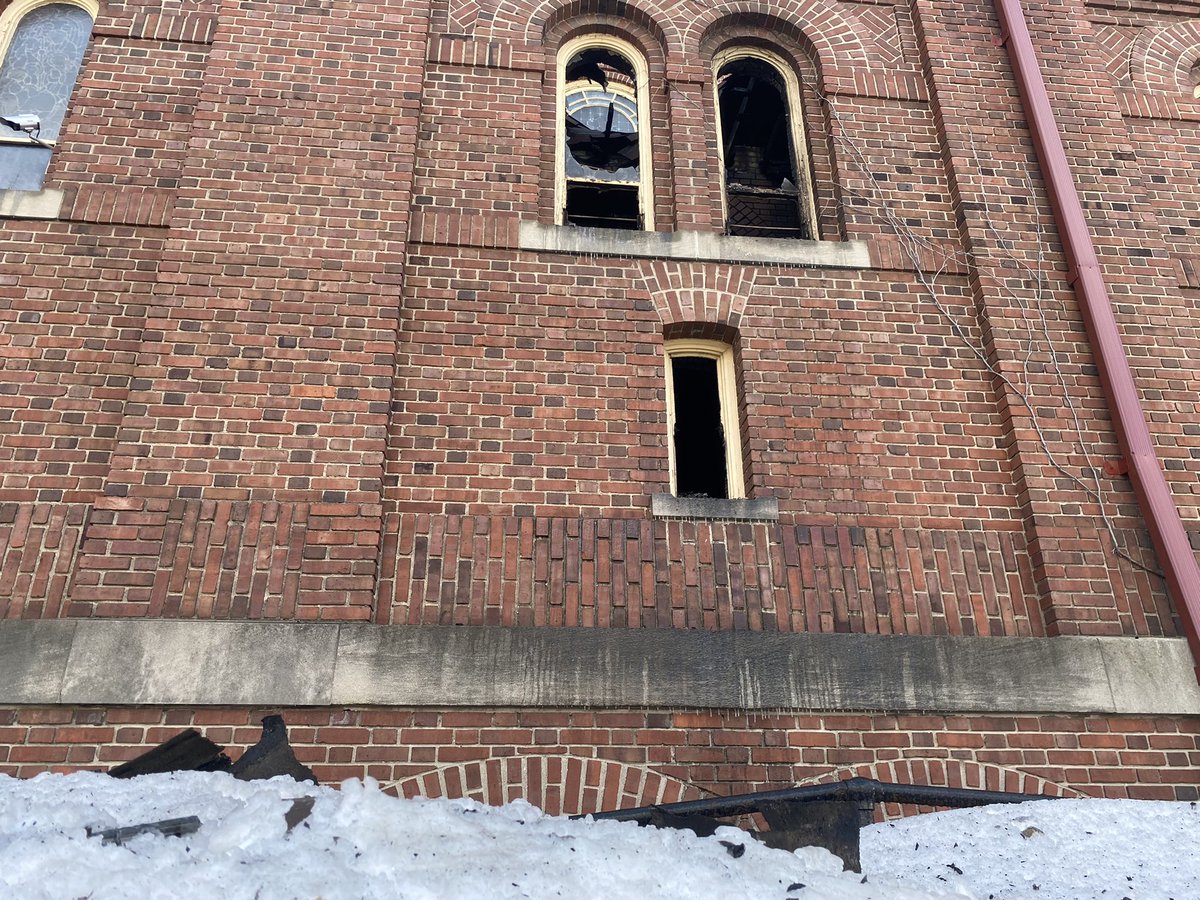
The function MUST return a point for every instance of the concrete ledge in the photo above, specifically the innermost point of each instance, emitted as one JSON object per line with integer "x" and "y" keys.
{"x": 696, "y": 245}
{"x": 188, "y": 663}
{"x": 43, "y": 204}
{"x": 668, "y": 506}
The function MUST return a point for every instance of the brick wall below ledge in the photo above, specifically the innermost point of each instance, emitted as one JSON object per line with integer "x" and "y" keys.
{"x": 578, "y": 761}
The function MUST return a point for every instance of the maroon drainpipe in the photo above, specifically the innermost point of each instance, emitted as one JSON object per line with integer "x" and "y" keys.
{"x": 1149, "y": 484}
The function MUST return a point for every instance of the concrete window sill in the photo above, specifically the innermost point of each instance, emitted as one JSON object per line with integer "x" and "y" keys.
{"x": 44, "y": 204}
{"x": 667, "y": 506}
{"x": 692, "y": 245}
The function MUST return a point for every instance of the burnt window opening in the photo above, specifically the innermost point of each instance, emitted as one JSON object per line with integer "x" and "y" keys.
{"x": 601, "y": 146}
{"x": 699, "y": 435}
{"x": 702, "y": 416}
{"x": 766, "y": 183}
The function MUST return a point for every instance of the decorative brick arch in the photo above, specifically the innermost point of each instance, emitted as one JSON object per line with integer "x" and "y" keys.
{"x": 950, "y": 773}
{"x": 835, "y": 38}
{"x": 1163, "y": 58}
{"x": 559, "y": 785}
{"x": 695, "y": 292}
{"x": 529, "y": 20}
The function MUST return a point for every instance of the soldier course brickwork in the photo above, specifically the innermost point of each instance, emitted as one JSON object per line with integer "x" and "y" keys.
{"x": 286, "y": 353}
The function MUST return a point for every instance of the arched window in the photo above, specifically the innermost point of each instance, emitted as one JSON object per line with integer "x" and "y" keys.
{"x": 768, "y": 180}
{"x": 603, "y": 157}
{"x": 41, "y": 48}
{"x": 702, "y": 420}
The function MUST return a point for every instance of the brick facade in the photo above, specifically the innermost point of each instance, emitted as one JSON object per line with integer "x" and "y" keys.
{"x": 571, "y": 760}
{"x": 284, "y": 354}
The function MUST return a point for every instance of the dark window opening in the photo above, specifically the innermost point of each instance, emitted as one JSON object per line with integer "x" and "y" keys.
{"x": 762, "y": 191}
{"x": 602, "y": 206}
{"x": 602, "y": 154}
{"x": 699, "y": 437}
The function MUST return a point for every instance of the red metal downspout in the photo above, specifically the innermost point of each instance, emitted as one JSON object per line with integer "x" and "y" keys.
{"x": 1149, "y": 484}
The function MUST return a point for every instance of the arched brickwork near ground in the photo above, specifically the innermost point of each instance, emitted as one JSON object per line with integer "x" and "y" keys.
{"x": 559, "y": 785}
{"x": 958, "y": 773}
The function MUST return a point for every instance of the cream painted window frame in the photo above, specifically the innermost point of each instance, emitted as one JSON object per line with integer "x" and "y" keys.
{"x": 727, "y": 396}
{"x": 10, "y": 20}
{"x": 641, "y": 74}
{"x": 799, "y": 143}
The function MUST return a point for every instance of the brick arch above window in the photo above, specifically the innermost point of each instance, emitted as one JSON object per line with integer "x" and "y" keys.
{"x": 836, "y": 40}
{"x": 1165, "y": 59}
{"x": 697, "y": 292}
{"x": 558, "y": 785}
{"x": 532, "y": 21}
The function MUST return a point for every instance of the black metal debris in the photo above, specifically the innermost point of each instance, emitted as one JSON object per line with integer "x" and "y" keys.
{"x": 166, "y": 827}
{"x": 822, "y": 815}
{"x": 188, "y": 751}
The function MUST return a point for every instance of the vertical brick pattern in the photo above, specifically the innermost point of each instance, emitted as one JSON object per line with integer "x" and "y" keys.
{"x": 38, "y": 544}
{"x": 582, "y": 761}
{"x": 479, "y": 570}
{"x": 222, "y": 559}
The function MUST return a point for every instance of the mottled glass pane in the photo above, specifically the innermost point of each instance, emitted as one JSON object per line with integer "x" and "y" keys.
{"x": 42, "y": 63}
{"x": 23, "y": 166}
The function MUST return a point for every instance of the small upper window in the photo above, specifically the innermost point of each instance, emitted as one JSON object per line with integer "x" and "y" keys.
{"x": 768, "y": 186}
{"x": 702, "y": 420}
{"x": 603, "y": 161}
{"x": 41, "y": 49}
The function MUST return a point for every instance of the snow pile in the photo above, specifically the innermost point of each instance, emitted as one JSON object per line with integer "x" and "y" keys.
{"x": 1049, "y": 850}
{"x": 361, "y": 843}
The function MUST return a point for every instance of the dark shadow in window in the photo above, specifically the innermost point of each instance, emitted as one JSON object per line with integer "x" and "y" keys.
{"x": 762, "y": 191}
{"x": 699, "y": 437}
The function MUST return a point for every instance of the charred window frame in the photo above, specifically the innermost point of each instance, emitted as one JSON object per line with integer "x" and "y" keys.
{"x": 702, "y": 420}
{"x": 602, "y": 157}
{"x": 766, "y": 172}
{"x": 42, "y": 45}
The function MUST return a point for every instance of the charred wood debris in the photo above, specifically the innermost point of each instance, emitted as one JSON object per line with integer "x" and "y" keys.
{"x": 190, "y": 751}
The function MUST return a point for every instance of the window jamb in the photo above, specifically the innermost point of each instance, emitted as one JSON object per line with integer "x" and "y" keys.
{"x": 645, "y": 184}
{"x": 796, "y": 119}
{"x": 727, "y": 397}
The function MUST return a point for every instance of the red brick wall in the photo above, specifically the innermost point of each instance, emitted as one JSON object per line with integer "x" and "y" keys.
{"x": 572, "y": 760}
{"x": 248, "y": 338}
{"x": 281, "y": 357}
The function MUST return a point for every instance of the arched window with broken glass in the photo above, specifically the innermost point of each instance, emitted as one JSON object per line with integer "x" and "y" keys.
{"x": 603, "y": 171}
{"x": 764, "y": 158}
{"x": 41, "y": 49}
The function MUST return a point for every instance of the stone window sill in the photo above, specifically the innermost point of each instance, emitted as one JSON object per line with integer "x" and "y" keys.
{"x": 44, "y": 204}
{"x": 668, "y": 506}
{"x": 692, "y": 245}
